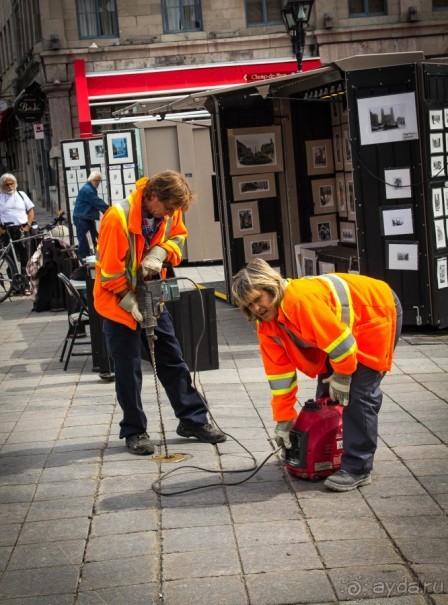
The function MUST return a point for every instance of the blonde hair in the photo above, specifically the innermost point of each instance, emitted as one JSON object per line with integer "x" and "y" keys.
{"x": 257, "y": 275}
{"x": 171, "y": 188}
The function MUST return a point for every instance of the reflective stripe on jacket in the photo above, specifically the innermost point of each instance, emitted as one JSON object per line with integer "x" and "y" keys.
{"x": 346, "y": 318}
{"x": 120, "y": 249}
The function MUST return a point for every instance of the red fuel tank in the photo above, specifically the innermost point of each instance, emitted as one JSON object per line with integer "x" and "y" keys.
{"x": 316, "y": 438}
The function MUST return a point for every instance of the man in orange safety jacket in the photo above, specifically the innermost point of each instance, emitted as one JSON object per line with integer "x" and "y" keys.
{"x": 142, "y": 232}
{"x": 342, "y": 328}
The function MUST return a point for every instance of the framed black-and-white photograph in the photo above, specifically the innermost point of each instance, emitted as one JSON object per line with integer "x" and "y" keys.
{"x": 253, "y": 186}
{"x": 116, "y": 192}
{"x": 71, "y": 176}
{"x": 72, "y": 189}
{"x": 257, "y": 149}
{"x": 347, "y": 232}
{"x": 325, "y": 267}
{"x": 337, "y": 149}
{"x": 129, "y": 175}
{"x": 341, "y": 195}
{"x": 445, "y": 113}
{"x": 115, "y": 176}
{"x": 119, "y": 147}
{"x": 439, "y": 227}
{"x": 442, "y": 278}
{"x": 397, "y": 220}
{"x": 245, "y": 219}
{"x": 309, "y": 262}
{"x": 73, "y": 153}
{"x": 437, "y": 202}
{"x": 445, "y": 200}
{"x": 262, "y": 245}
{"x": 398, "y": 183}
{"x": 402, "y": 256}
{"x": 81, "y": 176}
{"x": 324, "y": 195}
{"x": 388, "y": 118}
{"x": 350, "y": 199}
{"x": 324, "y": 228}
{"x": 128, "y": 188}
{"x": 96, "y": 151}
{"x": 347, "y": 148}
{"x": 437, "y": 165}
{"x": 436, "y": 119}
{"x": 436, "y": 142}
{"x": 319, "y": 157}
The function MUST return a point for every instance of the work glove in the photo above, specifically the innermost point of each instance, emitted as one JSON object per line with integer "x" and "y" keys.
{"x": 129, "y": 304}
{"x": 339, "y": 387}
{"x": 153, "y": 261}
{"x": 281, "y": 433}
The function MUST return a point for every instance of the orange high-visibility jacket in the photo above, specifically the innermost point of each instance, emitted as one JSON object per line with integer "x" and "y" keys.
{"x": 120, "y": 250}
{"x": 346, "y": 317}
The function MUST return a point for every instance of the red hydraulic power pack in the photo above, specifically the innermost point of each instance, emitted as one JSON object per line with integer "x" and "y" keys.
{"x": 316, "y": 439}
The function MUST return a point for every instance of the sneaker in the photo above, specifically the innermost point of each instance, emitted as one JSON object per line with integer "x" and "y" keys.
{"x": 206, "y": 433}
{"x": 344, "y": 482}
{"x": 141, "y": 445}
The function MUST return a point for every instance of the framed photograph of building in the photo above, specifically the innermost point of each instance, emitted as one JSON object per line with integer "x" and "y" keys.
{"x": 319, "y": 157}
{"x": 436, "y": 119}
{"x": 96, "y": 151}
{"x": 253, "y": 186}
{"x": 445, "y": 200}
{"x": 397, "y": 220}
{"x": 439, "y": 227}
{"x": 341, "y": 195}
{"x": 442, "y": 277}
{"x": 324, "y": 195}
{"x": 436, "y": 142}
{"x": 324, "y": 228}
{"x": 389, "y": 118}
{"x": 73, "y": 154}
{"x": 337, "y": 149}
{"x": 402, "y": 256}
{"x": 437, "y": 202}
{"x": 245, "y": 219}
{"x": 398, "y": 183}
{"x": 437, "y": 165}
{"x": 119, "y": 147}
{"x": 257, "y": 149}
{"x": 262, "y": 245}
{"x": 350, "y": 199}
{"x": 347, "y": 232}
{"x": 347, "y": 149}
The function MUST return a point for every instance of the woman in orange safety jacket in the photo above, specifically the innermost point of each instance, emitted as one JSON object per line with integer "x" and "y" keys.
{"x": 342, "y": 328}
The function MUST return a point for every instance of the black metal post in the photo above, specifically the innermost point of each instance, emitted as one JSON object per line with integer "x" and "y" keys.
{"x": 299, "y": 42}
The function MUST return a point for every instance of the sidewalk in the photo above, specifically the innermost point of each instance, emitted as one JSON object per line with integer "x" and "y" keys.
{"x": 81, "y": 525}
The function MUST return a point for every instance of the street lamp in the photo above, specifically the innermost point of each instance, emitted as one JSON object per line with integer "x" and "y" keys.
{"x": 295, "y": 15}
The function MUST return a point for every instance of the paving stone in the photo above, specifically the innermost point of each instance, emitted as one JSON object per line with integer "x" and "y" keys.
{"x": 194, "y": 539}
{"x": 433, "y": 577}
{"x": 347, "y": 553}
{"x": 421, "y": 468}
{"x": 345, "y": 528}
{"x": 435, "y": 484}
{"x": 285, "y": 587}
{"x": 268, "y": 557}
{"x": 10, "y": 494}
{"x": 373, "y": 581}
{"x": 430, "y": 526}
{"x": 204, "y": 563}
{"x": 64, "y": 508}
{"x": 30, "y": 556}
{"x": 203, "y": 516}
{"x": 394, "y": 486}
{"x": 425, "y": 551}
{"x": 62, "y": 579}
{"x": 140, "y": 594}
{"x": 65, "y": 489}
{"x": 330, "y": 504}
{"x": 119, "y": 572}
{"x": 122, "y": 545}
{"x": 225, "y": 590}
{"x": 124, "y": 522}
{"x": 412, "y": 506}
{"x": 52, "y": 531}
{"x": 246, "y": 512}
{"x": 272, "y": 532}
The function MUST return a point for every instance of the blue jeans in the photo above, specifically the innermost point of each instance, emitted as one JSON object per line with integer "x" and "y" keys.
{"x": 125, "y": 346}
{"x": 83, "y": 227}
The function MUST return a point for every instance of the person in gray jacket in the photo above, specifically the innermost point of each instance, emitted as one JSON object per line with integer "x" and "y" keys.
{"x": 86, "y": 212}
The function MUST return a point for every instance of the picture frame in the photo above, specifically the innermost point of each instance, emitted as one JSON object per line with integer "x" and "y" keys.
{"x": 437, "y": 166}
{"x": 436, "y": 142}
{"x": 350, "y": 199}
{"x": 298, "y": 259}
{"x": 96, "y": 151}
{"x": 324, "y": 195}
{"x": 323, "y": 227}
{"x": 116, "y": 192}
{"x": 442, "y": 271}
{"x": 129, "y": 175}
{"x": 245, "y": 219}
{"x": 319, "y": 157}
{"x": 387, "y": 118}
{"x": 440, "y": 235}
{"x": 261, "y": 245}
{"x": 326, "y": 267}
{"x": 255, "y": 149}
{"x": 253, "y": 186}
{"x": 398, "y": 183}
{"x": 73, "y": 153}
{"x": 119, "y": 147}
{"x": 347, "y": 232}
{"x": 436, "y": 119}
{"x": 115, "y": 177}
{"x": 128, "y": 189}
{"x": 445, "y": 200}
{"x": 81, "y": 176}
{"x": 335, "y": 112}
{"x": 347, "y": 149}
{"x": 337, "y": 149}
{"x": 71, "y": 177}
{"x": 308, "y": 262}
{"x": 397, "y": 220}
{"x": 72, "y": 190}
{"x": 341, "y": 197}
{"x": 437, "y": 202}
{"x": 402, "y": 256}
{"x": 445, "y": 114}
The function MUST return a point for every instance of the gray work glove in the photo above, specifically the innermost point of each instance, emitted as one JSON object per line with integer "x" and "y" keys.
{"x": 129, "y": 304}
{"x": 281, "y": 433}
{"x": 339, "y": 387}
{"x": 153, "y": 261}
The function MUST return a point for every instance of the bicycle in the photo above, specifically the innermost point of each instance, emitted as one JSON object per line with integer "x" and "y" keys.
{"x": 11, "y": 278}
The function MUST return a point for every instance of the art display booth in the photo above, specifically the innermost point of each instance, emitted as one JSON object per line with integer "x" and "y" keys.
{"x": 340, "y": 169}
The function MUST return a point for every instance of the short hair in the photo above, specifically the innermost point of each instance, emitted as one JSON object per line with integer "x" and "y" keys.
{"x": 7, "y": 176}
{"x": 257, "y": 275}
{"x": 94, "y": 175}
{"x": 171, "y": 188}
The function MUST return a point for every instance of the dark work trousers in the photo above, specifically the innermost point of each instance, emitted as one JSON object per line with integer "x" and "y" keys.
{"x": 124, "y": 347}
{"x": 360, "y": 417}
{"x": 83, "y": 227}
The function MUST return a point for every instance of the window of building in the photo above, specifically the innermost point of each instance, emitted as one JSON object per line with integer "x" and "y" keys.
{"x": 181, "y": 15}
{"x": 439, "y": 5}
{"x": 97, "y": 18}
{"x": 263, "y": 12}
{"x": 367, "y": 8}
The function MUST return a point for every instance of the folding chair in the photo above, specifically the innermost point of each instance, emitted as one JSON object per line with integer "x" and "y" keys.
{"x": 77, "y": 321}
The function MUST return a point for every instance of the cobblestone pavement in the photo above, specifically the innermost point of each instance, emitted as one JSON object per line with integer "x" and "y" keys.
{"x": 81, "y": 524}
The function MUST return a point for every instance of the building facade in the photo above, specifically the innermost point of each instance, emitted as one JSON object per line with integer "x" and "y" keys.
{"x": 163, "y": 47}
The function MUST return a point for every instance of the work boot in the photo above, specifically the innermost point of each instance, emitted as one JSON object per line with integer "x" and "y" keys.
{"x": 206, "y": 433}
{"x": 342, "y": 481}
{"x": 141, "y": 445}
